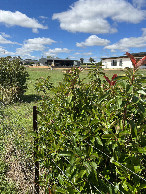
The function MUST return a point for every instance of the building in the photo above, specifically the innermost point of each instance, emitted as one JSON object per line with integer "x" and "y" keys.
{"x": 30, "y": 62}
{"x": 122, "y": 61}
{"x": 57, "y": 62}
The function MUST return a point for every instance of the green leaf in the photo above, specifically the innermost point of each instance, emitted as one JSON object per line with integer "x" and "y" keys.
{"x": 81, "y": 174}
{"x": 94, "y": 155}
{"x": 129, "y": 88}
{"x": 60, "y": 190}
{"x": 119, "y": 102}
{"x": 61, "y": 180}
{"x": 137, "y": 169}
{"x": 99, "y": 140}
{"x": 143, "y": 186}
{"x": 88, "y": 167}
{"x": 142, "y": 150}
{"x": 141, "y": 107}
{"x": 94, "y": 165}
{"x": 141, "y": 92}
{"x": 107, "y": 136}
{"x": 65, "y": 153}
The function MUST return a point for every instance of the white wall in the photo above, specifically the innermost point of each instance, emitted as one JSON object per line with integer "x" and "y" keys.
{"x": 107, "y": 63}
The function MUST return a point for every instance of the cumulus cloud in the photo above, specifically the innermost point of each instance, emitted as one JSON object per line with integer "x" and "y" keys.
{"x": 93, "y": 40}
{"x": 5, "y": 52}
{"x": 144, "y": 31}
{"x": 19, "y": 19}
{"x": 87, "y": 54}
{"x": 54, "y": 52}
{"x": 91, "y": 16}
{"x": 36, "y": 44}
{"x": 5, "y": 35}
{"x": 139, "y": 3}
{"x": 77, "y": 53}
{"x": 5, "y": 41}
{"x": 126, "y": 43}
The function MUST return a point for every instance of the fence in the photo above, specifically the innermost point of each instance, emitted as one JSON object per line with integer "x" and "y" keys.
{"x": 94, "y": 188}
{"x": 21, "y": 156}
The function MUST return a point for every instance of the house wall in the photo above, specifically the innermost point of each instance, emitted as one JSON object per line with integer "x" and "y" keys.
{"x": 108, "y": 64}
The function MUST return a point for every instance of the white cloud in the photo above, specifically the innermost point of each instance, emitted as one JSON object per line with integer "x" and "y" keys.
{"x": 126, "y": 43}
{"x": 91, "y": 16}
{"x": 5, "y": 41}
{"x": 36, "y": 44}
{"x": 54, "y": 52}
{"x": 77, "y": 53}
{"x": 43, "y": 17}
{"x": 144, "y": 31}
{"x": 5, "y": 35}
{"x": 139, "y": 3}
{"x": 93, "y": 40}
{"x": 72, "y": 57}
{"x": 4, "y": 52}
{"x": 87, "y": 54}
{"x": 19, "y": 19}
{"x": 40, "y": 41}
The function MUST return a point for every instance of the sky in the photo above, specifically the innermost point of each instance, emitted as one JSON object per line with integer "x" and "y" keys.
{"x": 72, "y": 29}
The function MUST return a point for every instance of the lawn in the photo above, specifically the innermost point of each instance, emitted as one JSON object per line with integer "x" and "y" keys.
{"x": 16, "y": 142}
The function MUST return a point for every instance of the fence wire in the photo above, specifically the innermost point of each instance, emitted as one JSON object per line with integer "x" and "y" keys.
{"x": 99, "y": 174}
{"x": 111, "y": 158}
{"x": 16, "y": 153}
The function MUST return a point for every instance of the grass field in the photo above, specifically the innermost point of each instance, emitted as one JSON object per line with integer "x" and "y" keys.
{"x": 16, "y": 142}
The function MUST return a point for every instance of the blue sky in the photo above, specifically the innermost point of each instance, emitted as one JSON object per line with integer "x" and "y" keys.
{"x": 72, "y": 28}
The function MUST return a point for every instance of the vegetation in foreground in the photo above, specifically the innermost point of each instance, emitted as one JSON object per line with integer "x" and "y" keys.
{"x": 16, "y": 136}
{"x": 91, "y": 135}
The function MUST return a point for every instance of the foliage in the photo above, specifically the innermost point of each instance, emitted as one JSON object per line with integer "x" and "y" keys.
{"x": 91, "y": 135}
{"x": 16, "y": 126}
{"x": 13, "y": 77}
{"x": 82, "y": 60}
{"x": 91, "y": 60}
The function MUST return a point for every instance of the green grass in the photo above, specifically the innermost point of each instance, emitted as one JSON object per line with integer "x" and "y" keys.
{"x": 16, "y": 127}
{"x": 57, "y": 76}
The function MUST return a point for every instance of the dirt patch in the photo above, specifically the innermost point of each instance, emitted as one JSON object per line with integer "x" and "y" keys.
{"x": 39, "y": 67}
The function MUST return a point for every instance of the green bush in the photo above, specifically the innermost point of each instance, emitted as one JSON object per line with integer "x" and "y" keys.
{"x": 13, "y": 77}
{"x": 91, "y": 135}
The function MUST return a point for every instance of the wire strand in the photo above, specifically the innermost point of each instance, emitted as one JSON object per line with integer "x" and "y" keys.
{"x": 66, "y": 176}
{"x": 115, "y": 161}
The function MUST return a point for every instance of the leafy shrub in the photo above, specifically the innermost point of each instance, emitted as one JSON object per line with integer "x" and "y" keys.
{"x": 13, "y": 77}
{"x": 91, "y": 135}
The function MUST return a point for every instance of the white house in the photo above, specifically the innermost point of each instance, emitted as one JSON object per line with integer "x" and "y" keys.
{"x": 121, "y": 62}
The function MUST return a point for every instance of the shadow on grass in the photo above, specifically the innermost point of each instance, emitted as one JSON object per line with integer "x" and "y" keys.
{"x": 30, "y": 98}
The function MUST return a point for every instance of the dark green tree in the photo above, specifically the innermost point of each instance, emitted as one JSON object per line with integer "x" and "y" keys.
{"x": 91, "y": 60}
{"x": 13, "y": 77}
{"x": 82, "y": 60}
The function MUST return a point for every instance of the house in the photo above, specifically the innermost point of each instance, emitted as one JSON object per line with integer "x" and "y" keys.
{"x": 30, "y": 62}
{"x": 121, "y": 62}
{"x": 57, "y": 62}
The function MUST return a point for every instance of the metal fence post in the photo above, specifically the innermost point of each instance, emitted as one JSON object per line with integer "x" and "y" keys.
{"x": 36, "y": 186}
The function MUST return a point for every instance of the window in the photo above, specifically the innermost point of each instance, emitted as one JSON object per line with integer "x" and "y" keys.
{"x": 120, "y": 62}
{"x": 114, "y": 63}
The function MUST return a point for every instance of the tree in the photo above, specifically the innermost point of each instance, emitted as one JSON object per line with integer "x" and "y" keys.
{"x": 91, "y": 60}
{"x": 49, "y": 57}
{"x": 100, "y": 63}
{"x": 13, "y": 79}
{"x": 82, "y": 60}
